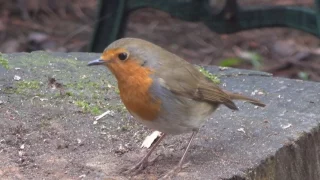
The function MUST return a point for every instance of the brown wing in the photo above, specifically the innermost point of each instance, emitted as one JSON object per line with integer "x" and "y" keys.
{"x": 184, "y": 79}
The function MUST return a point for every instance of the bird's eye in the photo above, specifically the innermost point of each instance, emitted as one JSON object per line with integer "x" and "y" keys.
{"x": 123, "y": 56}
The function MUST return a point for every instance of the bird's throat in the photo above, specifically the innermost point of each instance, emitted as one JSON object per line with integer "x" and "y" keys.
{"x": 134, "y": 83}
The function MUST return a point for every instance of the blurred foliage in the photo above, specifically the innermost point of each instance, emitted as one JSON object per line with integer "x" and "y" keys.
{"x": 230, "y": 62}
{"x": 303, "y": 75}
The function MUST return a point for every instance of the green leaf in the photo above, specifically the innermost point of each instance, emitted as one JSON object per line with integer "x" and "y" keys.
{"x": 254, "y": 58}
{"x": 229, "y": 62}
{"x": 303, "y": 75}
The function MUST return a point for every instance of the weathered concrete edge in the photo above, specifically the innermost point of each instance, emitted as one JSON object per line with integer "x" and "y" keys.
{"x": 295, "y": 161}
{"x": 288, "y": 162}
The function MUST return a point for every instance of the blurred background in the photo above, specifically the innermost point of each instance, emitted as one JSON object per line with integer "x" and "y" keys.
{"x": 67, "y": 26}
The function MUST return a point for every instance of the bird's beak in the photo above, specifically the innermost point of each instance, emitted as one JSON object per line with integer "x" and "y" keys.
{"x": 96, "y": 62}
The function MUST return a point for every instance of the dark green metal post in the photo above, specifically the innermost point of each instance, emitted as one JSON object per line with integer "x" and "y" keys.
{"x": 110, "y": 25}
{"x": 317, "y": 9}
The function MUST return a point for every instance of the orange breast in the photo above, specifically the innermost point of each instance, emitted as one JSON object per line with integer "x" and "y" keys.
{"x": 134, "y": 84}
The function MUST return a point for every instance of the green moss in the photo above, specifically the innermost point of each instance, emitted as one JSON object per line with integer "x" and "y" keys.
{"x": 83, "y": 105}
{"x": 87, "y": 108}
{"x": 84, "y": 84}
{"x": 4, "y": 63}
{"x": 69, "y": 93}
{"x": 125, "y": 128}
{"x": 95, "y": 96}
{"x": 93, "y": 84}
{"x": 120, "y": 108}
{"x": 117, "y": 90}
{"x": 26, "y": 86}
{"x": 9, "y": 90}
{"x": 85, "y": 91}
{"x": 95, "y": 110}
{"x": 87, "y": 88}
{"x": 212, "y": 77}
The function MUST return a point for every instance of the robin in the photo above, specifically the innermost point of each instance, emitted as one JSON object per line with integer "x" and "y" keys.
{"x": 163, "y": 91}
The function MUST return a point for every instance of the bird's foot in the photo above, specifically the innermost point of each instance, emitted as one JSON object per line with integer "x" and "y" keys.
{"x": 139, "y": 166}
{"x": 136, "y": 168}
{"x": 173, "y": 172}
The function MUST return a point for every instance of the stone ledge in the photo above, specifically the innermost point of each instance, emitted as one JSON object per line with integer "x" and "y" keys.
{"x": 60, "y": 140}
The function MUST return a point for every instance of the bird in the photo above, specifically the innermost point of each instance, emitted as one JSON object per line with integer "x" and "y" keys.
{"x": 163, "y": 91}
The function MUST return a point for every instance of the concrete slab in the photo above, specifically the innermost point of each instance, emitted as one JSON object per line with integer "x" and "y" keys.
{"x": 48, "y": 132}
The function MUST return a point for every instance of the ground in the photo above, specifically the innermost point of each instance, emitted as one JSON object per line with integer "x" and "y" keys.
{"x": 48, "y": 102}
{"x": 40, "y": 137}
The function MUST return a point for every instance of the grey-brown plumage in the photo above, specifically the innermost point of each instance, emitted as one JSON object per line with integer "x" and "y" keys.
{"x": 187, "y": 96}
{"x": 178, "y": 98}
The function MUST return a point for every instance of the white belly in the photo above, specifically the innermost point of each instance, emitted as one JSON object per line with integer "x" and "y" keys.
{"x": 175, "y": 121}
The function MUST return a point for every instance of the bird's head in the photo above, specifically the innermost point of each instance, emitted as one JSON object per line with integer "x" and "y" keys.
{"x": 132, "y": 61}
{"x": 128, "y": 55}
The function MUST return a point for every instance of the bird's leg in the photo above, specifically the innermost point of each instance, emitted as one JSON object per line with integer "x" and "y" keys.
{"x": 144, "y": 161}
{"x": 179, "y": 166}
{"x": 185, "y": 152}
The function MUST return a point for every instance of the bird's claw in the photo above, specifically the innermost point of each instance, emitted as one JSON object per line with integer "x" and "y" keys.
{"x": 136, "y": 168}
{"x": 173, "y": 172}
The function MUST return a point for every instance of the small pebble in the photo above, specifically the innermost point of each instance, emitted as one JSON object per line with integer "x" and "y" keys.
{"x": 17, "y": 78}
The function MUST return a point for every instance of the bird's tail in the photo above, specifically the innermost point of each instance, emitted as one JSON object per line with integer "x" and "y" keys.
{"x": 250, "y": 100}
